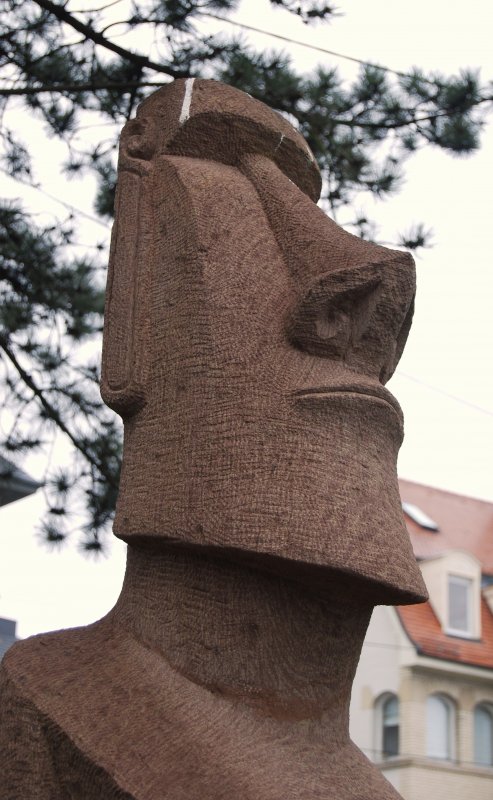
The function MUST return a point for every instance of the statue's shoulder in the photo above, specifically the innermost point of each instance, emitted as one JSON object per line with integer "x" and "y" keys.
{"x": 52, "y": 699}
{"x": 49, "y": 661}
{"x": 80, "y": 678}
{"x": 98, "y": 696}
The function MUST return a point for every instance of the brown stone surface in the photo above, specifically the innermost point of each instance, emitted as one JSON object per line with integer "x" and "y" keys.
{"x": 208, "y": 680}
{"x": 247, "y": 342}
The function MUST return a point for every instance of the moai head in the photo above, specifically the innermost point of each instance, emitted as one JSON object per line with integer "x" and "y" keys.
{"x": 247, "y": 342}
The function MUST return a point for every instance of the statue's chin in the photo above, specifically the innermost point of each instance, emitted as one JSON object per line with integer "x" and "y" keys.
{"x": 315, "y": 487}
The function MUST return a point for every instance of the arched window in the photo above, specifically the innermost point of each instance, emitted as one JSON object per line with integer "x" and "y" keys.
{"x": 386, "y": 731}
{"x": 440, "y": 727}
{"x": 483, "y": 735}
{"x": 390, "y": 726}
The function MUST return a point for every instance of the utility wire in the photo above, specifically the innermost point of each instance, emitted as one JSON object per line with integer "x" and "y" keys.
{"x": 100, "y": 39}
{"x": 56, "y": 199}
{"x": 446, "y": 394}
{"x": 390, "y": 645}
{"x": 97, "y": 221}
{"x": 312, "y": 46}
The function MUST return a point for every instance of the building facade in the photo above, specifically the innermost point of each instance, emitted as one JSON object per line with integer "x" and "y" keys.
{"x": 14, "y": 483}
{"x": 422, "y": 703}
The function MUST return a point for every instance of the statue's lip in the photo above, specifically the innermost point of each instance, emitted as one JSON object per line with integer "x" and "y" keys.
{"x": 376, "y": 392}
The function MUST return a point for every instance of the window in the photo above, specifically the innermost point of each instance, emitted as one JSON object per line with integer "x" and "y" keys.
{"x": 459, "y": 604}
{"x": 390, "y": 727}
{"x": 386, "y": 730}
{"x": 483, "y": 735}
{"x": 419, "y": 516}
{"x": 440, "y": 726}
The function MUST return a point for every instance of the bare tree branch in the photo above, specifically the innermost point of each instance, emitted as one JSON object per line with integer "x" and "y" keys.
{"x": 95, "y": 36}
{"x": 78, "y": 87}
{"x": 52, "y": 412}
{"x": 129, "y": 85}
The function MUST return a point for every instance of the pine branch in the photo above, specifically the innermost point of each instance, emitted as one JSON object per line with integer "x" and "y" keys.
{"x": 52, "y": 412}
{"x": 391, "y": 125}
{"x": 129, "y": 85}
{"x": 79, "y": 87}
{"x": 95, "y": 36}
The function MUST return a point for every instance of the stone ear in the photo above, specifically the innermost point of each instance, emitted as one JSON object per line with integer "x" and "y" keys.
{"x": 124, "y": 363}
{"x": 138, "y": 141}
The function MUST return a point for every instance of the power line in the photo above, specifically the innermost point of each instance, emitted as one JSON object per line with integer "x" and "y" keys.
{"x": 97, "y": 221}
{"x": 76, "y": 87}
{"x": 390, "y": 645}
{"x": 85, "y": 87}
{"x": 98, "y": 38}
{"x": 56, "y": 199}
{"x": 450, "y": 396}
{"x": 312, "y": 46}
{"x": 95, "y": 10}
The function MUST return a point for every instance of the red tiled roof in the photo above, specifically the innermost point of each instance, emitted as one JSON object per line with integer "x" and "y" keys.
{"x": 464, "y": 524}
{"x": 424, "y": 630}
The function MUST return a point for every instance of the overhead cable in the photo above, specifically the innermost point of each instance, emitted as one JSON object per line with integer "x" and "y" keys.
{"x": 310, "y": 46}
{"x": 56, "y": 199}
{"x": 450, "y": 396}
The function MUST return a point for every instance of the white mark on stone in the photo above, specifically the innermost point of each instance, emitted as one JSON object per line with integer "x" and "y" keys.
{"x": 309, "y": 152}
{"x": 280, "y": 142}
{"x": 187, "y": 100}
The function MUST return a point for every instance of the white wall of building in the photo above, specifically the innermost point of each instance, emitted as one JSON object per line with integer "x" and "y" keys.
{"x": 389, "y": 663}
{"x": 378, "y": 672}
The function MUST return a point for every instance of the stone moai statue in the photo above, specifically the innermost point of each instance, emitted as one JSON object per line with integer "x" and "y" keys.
{"x": 247, "y": 342}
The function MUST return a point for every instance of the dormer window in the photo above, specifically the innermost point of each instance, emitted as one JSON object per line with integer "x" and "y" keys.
{"x": 460, "y": 605}
{"x": 453, "y": 580}
{"x": 419, "y": 517}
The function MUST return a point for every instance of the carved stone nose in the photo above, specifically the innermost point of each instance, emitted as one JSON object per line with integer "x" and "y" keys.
{"x": 335, "y": 312}
{"x": 360, "y": 315}
{"x": 355, "y": 297}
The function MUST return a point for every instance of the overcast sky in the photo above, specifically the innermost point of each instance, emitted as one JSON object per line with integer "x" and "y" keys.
{"x": 444, "y": 381}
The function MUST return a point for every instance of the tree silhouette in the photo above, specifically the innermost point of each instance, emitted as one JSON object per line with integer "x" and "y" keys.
{"x": 72, "y": 67}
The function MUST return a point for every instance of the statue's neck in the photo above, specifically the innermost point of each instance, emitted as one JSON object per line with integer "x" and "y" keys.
{"x": 245, "y": 634}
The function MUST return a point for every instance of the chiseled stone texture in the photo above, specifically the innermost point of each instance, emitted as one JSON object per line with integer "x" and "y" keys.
{"x": 247, "y": 342}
